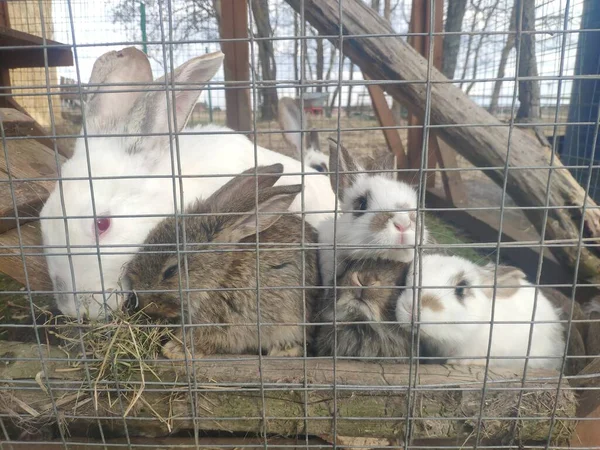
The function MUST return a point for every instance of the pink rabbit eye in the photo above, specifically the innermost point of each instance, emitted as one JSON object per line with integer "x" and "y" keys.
{"x": 102, "y": 224}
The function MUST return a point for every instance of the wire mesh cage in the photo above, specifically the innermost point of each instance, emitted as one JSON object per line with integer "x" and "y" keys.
{"x": 299, "y": 224}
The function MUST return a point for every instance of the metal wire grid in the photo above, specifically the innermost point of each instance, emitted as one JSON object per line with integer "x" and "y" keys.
{"x": 166, "y": 43}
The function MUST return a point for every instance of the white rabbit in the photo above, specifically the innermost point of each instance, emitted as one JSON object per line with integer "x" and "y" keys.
{"x": 458, "y": 291}
{"x": 376, "y": 215}
{"x": 127, "y": 208}
{"x": 293, "y": 121}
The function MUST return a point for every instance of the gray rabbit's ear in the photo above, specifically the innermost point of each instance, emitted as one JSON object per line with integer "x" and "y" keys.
{"x": 116, "y": 80}
{"x": 239, "y": 194}
{"x": 272, "y": 203}
{"x": 345, "y": 164}
{"x": 167, "y": 109}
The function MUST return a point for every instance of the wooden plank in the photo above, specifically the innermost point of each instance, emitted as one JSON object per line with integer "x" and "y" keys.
{"x": 452, "y": 180}
{"x": 234, "y": 25}
{"x": 35, "y": 130}
{"x": 386, "y": 119}
{"x": 370, "y": 402}
{"x": 59, "y": 55}
{"x": 10, "y": 257}
{"x": 12, "y": 116}
{"x": 26, "y": 159}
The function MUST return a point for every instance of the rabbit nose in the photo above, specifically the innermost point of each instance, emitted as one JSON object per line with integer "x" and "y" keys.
{"x": 401, "y": 228}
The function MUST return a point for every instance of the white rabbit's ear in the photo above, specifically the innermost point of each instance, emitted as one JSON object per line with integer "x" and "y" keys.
{"x": 291, "y": 120}
{"x": 346, "y": 164}
{"x": 386, "y": 164}
{"x": 508, "y": 276}
{"x": 150, "y": 114}
{"x": 115, "y": 71}
{"x": 312, "y": 140}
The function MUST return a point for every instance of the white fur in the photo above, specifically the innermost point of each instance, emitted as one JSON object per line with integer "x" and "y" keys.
{"x": 471, "y": 340}
{"x": 389, "y": 243}
{"x": 200, "y": 155}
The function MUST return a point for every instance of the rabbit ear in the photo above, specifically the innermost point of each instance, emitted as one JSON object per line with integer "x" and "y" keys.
{"x": 150, "y": 114}
{"x": 386, "y": 163}
{"x": 505, "y": 276}
{"x": 104, "y": 108}
{"x": 239, "y": 193}
{"x": 312, "y": 140}
{"x": 272, "y": 202}
{"x": 291, "y": 120}
{"x": 346, "y": 164}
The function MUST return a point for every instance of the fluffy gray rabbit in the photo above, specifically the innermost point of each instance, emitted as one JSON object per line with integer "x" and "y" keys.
{"x": 367, "y": 292}
{"x": 223, "y": 283}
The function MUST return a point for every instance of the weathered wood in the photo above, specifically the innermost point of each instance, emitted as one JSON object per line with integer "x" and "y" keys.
{"x": 58, "y": 55}
{"x": 229, "y": 397}
{"x": 27, "y": 160}
{"x": 484, "y": 142}
{"x": 234, "y": 25}
{"x": 10, "y": 257}
{"x": 10, "y": 116}
{"x": 386, "y": 119}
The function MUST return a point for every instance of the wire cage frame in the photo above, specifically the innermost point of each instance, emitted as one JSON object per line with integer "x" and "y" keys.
{"x": 299, "y": 223}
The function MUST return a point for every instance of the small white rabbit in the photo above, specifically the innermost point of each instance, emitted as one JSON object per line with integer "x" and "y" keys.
{"x": 376, "y": 215}
{"x": 456, "y": 291}
{"x": 132, "y": 176}
{"x": 293, "y": 120}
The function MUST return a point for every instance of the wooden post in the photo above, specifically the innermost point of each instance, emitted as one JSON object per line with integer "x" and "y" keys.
{"x": 439, "y": 151}
{"x": 234, "y": 25}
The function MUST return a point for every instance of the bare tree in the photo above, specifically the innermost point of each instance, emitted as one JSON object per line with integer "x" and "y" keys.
{"x": 187, "y": 17}
{"x": 456, "y": 13}
{"x": 266, "y": 56}
{"x": 508, "y": 46}
{"x": 320, "y": 64}
{"x": 529, "y": 90}
{"x": 349, "y": 99}
{"x": 387, "y": 9}
{"x": 488, "y": 13}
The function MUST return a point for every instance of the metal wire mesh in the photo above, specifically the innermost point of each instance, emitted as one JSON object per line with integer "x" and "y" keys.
{"x": 129, "y": 162}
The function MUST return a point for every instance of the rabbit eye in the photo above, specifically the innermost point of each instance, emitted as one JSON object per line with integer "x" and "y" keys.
{"x": 460, "y": 289}
{"x": 360, "y": 204}
{"x": 102, "y": 224}
{"x": 170, "y": 272}
{"x": 320, "y": 168}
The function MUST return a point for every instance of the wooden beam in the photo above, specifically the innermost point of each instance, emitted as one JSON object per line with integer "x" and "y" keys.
{"x": 370, "y": 399}
{"x": 386, "y": 119}
{"x": 234, "y": 25}
{"x": 58, "y": 54}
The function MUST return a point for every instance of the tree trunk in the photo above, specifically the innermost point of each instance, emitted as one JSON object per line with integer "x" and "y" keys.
{"x": 508, "y": 46}
{"x": 387, "y": 10}
{"x": 456, "y": 13}
{"x": 529, "y": 90}
{"x": 349, "y": 99}
{"x": 300, "y": 399}
{"x": 320, "y": 64}
{"x": 393, "y": 59}
{"x": 376, "y": 5}
{"x": 296, "y": 54}
{"x": 266, "y": 56}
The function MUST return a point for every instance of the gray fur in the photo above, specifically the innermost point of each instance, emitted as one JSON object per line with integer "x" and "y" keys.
{"x": 369, "y": 339}
{"x": 207, "y": 269}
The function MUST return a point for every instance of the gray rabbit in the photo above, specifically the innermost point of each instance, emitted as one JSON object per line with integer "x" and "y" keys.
{"x": 367, "y": 292}
{"x": 222, "y": 280}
